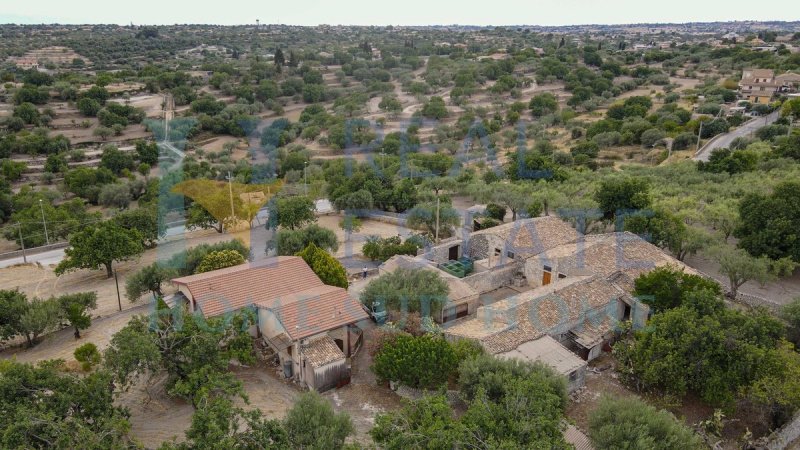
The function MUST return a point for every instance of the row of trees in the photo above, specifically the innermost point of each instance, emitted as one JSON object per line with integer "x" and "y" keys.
{"x": 694, "y": 344}
{"x": 33, "y": 318}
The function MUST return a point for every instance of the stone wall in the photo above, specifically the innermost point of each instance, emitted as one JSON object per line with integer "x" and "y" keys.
{"x": 785, "y": 436}
{"x": 492, "y": 279}
{"x": 441, "y": 253}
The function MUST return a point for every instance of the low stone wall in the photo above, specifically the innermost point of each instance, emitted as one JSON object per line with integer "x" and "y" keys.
{"x": 453, "y": 397}
{"x": 386, "y": 217}
{"x": 492, "y": 279}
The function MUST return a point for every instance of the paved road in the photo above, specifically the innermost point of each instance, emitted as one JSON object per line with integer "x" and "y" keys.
{"x": 45, "y": 258}
{"x": 725, "y": 140}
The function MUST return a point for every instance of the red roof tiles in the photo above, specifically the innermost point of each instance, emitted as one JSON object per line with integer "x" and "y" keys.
{"x": 315, "y": 310}
{"x": 285, "y": 285}
{"x": 234, "y": 288}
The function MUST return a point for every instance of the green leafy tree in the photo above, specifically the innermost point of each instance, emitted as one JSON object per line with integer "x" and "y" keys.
{"x": 350, "y": 224}
{"x": 495, "y": 211}
{"x": 115, "y": 196}
{"x": 194, "y": 353}
{"x": 381, "y": 249}
{"x": 218, "y": 423}
{"x": 633, "y": 424}
{"x": 327, "y": 268}
{"x": 543, "y": 104}
{"x": 148, "y": 279}
{"x": 77, "y": 412}
{"x": 88, "y": 355}
{"x": 116, "y": 160}
{"x": 424, "y": 216}
{"x": 40, "y": 317}
{"x": 435, "y": 108}
{"x": 622, "y": 194}
{"x": 390, "y": 105}
{"x": 668, "y": 231}
{"x": 425, "y": 423}
{"x": 199, "y": 217}
{"x": 289, "y": 242}
{"x": 667, "y": 287}
{"x": 767, "y": 225}
{"x": 103, "y": 132}
{"x": 75, "y": 308}
{"x": 100, "y": 245}
{"x": 312, "y": 423}
{"x": 713, "y": 352}
{"x": 13, "y": 305}
{"x": 790, "y": 313}
{"x": 407, "y": 290}
{"x": 145, "y": 221}
{"x": 741, "y": 267}
{"x": 88, "y": 106}
{"x": 186, "y": 262}
{"x": 292, "y": 212}
{"x": 147, "y": 152}
{"x": 423, "y": 361}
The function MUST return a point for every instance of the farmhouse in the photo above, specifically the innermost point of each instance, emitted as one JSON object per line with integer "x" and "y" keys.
{"x": 545, "y": 292}
{"x": 310, "y": 326}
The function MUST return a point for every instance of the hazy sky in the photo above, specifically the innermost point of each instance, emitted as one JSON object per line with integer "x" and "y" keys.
{"x": 402, "y": 12}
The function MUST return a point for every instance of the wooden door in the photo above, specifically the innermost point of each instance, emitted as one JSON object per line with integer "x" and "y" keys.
{"x": 546, "y": 276}
{"x": 453, "y": 253}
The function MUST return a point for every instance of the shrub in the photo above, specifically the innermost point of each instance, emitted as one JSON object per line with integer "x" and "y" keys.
{"x": 219, "y": 260}
{"x": 416, "y": 361}
{"x": 623, "y": 422}
{"x": 381, "y": 249}
{"x": 88, "y": 355}
{"x": 407, "y": 290}
{"x": 327, "y": 268}
{"x": 683, "y": 141}
{"x": 495, "y": 211}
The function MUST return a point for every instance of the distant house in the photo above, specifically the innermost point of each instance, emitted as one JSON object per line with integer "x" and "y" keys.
{"x": 788, "y": 82}
{"x": 309, "y": 325}
{"x": 758, "y": 85}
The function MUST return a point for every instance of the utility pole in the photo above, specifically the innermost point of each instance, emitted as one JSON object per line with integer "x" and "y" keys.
{"x": 699, "y": 133}
{"x": 230, "y": 193}
{"x": 116, "y": 281}
{"x": 305, "y": 178}
{"x": 22, "y": 243}
{"x": 44, "y": 222}
{"x": 437, "y": 218}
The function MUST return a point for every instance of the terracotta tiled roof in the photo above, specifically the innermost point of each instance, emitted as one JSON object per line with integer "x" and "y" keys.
{"x": 605, "y": 254}
{"x": 236, "y": 287}
{"x": 314, "y": 310}
{"x": 530, "y": 315}
{"x": 321, "y": 351}
{"x": 527, "y": 237}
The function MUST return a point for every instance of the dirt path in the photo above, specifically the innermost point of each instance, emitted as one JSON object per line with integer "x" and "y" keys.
{"x": 779, "y": 292}
{"x": 62, "y": 344}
